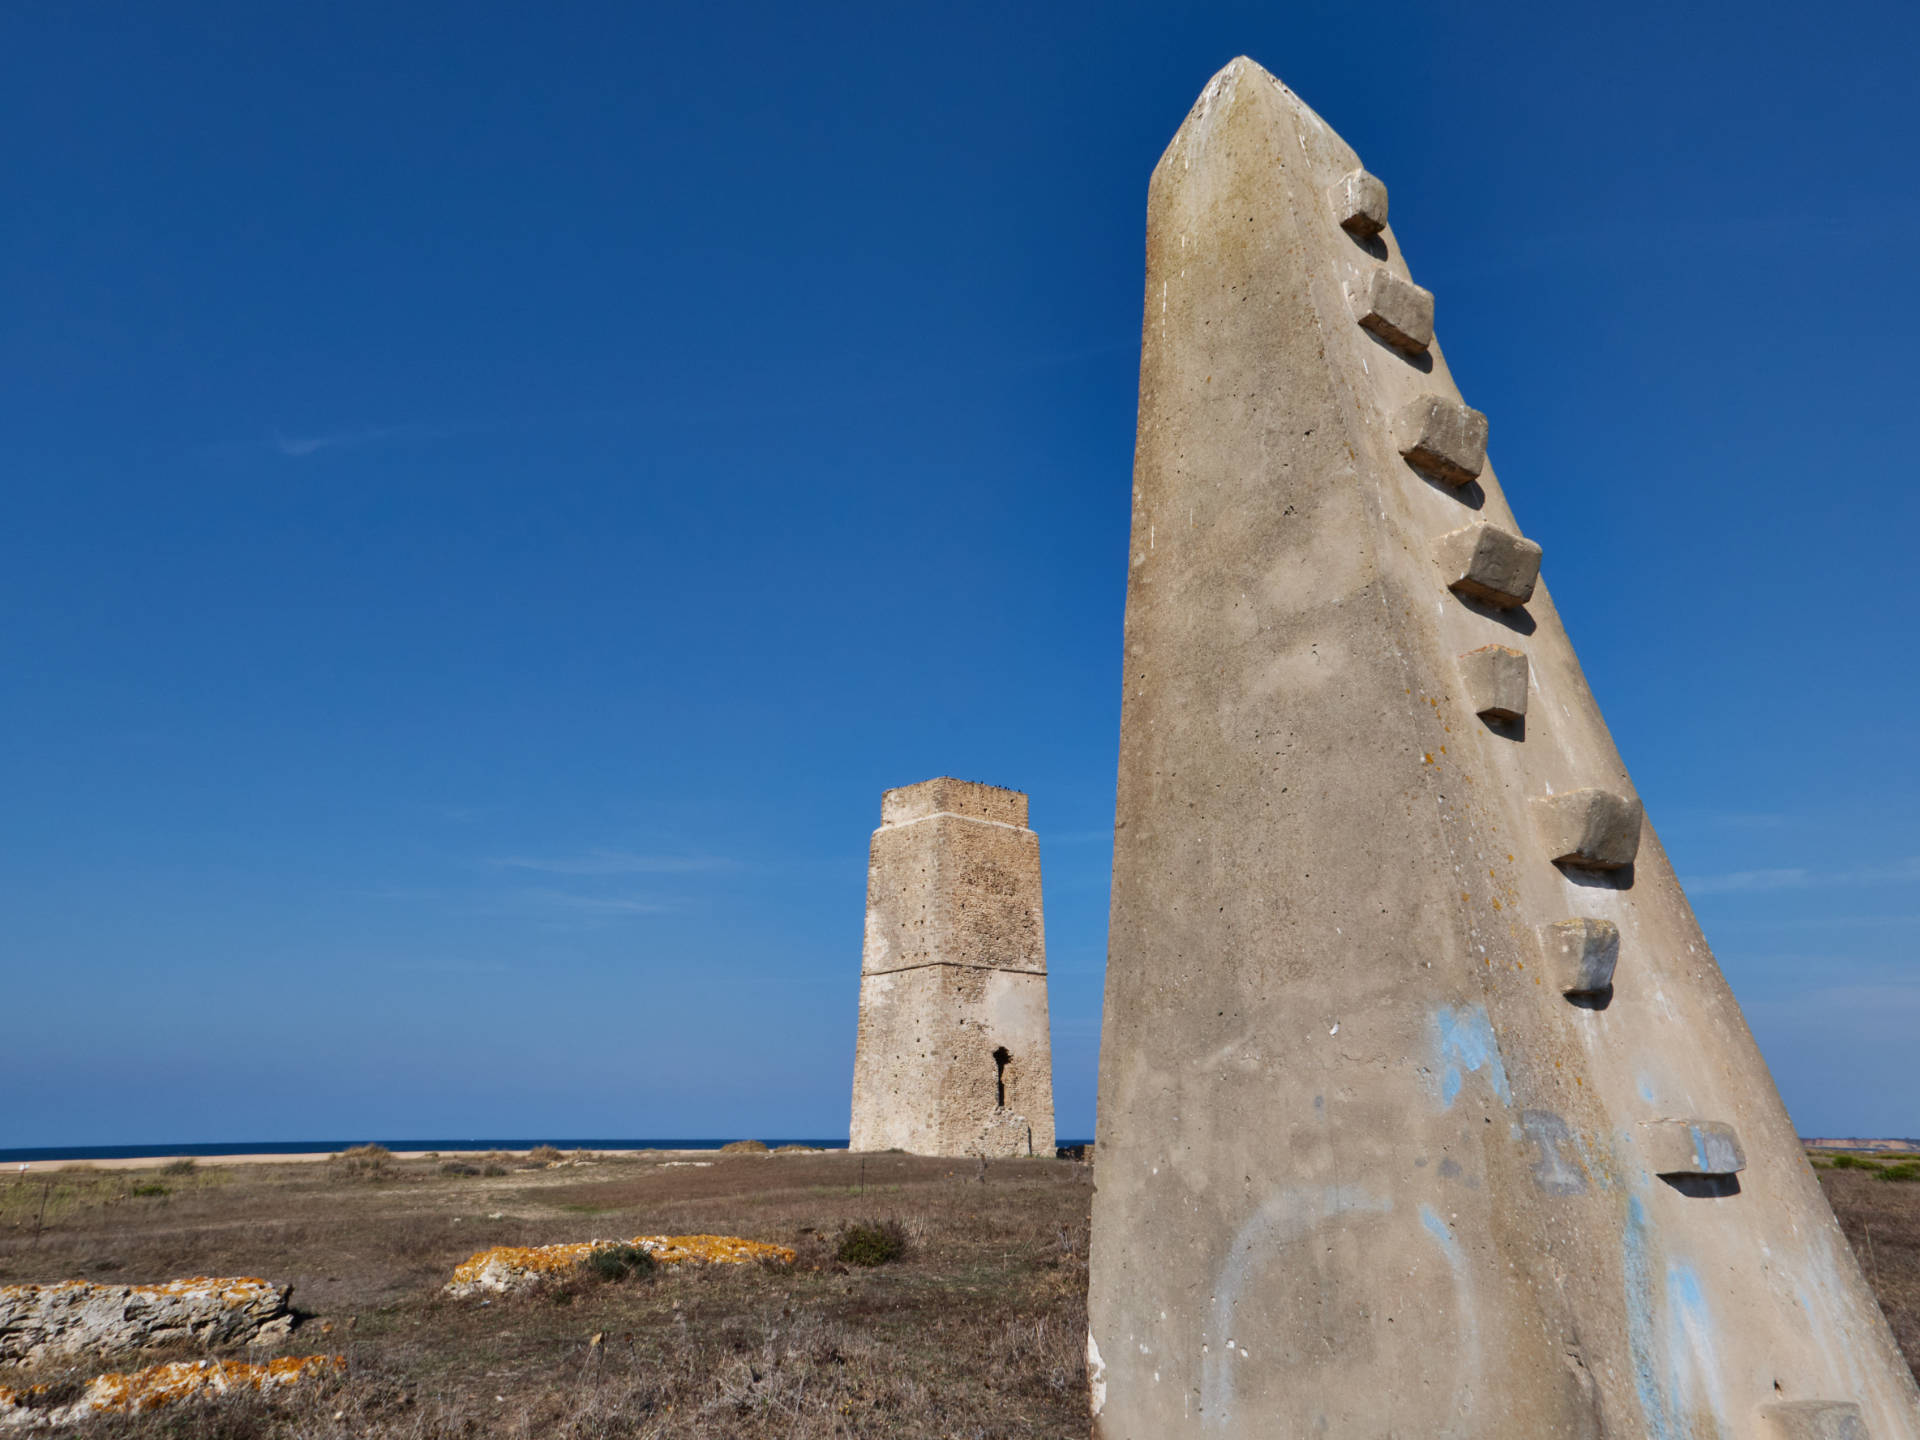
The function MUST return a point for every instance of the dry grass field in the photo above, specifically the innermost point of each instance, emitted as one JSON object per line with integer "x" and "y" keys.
{"x": 977, "y": 1331}
{"x": 1882, "y": 1221}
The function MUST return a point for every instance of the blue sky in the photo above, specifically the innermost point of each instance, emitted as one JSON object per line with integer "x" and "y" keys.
{"x": 494, "y": 494}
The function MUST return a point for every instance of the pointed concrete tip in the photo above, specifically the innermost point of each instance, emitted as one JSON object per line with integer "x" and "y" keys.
{"x": 1216, "y": 98}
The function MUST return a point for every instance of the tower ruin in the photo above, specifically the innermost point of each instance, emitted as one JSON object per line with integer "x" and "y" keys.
{"x": 1424, "y": 1108}
{"x": 953, "y": 1056}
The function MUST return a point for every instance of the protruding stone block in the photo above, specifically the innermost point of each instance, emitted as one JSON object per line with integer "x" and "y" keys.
{"x": 1496, "y": 679}
{"x": 1442, "y": 438}
{"x": 1692, "y": 1147}
{"x": 1359, "y": 204}
{"x": 1398, "y": 311}
{"x": 1812, "y": 1420}
{"x": 1490, "y": 564}
{"x": 953, "y": 1056}
{"x": 1580, "y": 954}
{"x": 1590, "y": 829}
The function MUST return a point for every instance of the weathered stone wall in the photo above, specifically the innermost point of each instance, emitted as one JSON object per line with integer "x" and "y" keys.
{"x": 1424, "y": 1109}
{"x": 953, "y": 1056}
{"x": 74, "y": 1317}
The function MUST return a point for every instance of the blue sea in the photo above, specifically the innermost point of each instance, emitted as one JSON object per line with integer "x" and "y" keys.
{"x": 45, "y": 1153}
{"x": 329, "y": 1147}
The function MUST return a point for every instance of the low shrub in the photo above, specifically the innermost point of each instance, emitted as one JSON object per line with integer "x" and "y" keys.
{"x": 614, "y": 1263}
{"x": 458, "y": 1167}
{"x": 185, "y": 1165}
{"x": 152, "y": 1187}
{"x": 1852, "y": 1162}
{"x": 368, "y": 1162}
{"x": 545, "y": 1154}
{"x": 492, "y": 1170}
{"x": 745, "y": 1147}
{"x": 1905, "y": 1170}
{"x": 876, "y": 1242}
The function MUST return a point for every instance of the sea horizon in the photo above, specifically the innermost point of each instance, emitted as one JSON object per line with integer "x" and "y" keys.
{"x": 205, "y": 1149}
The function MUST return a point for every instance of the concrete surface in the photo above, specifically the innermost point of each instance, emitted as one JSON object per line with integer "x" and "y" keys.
{"x": 953, "y": 1056}
{"x": 1364, "y": 1170}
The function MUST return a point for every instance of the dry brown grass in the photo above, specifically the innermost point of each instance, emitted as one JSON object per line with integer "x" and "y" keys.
{"x": 1882, "y": 1221}
{"x": 978, "y": 1331}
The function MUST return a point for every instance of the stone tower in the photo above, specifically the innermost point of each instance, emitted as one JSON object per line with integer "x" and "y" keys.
{"x": 953, "y": 1056}
{"x": 1424, "y": 1108}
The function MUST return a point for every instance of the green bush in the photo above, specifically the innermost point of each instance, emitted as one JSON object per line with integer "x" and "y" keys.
{"x": 1852, "y": 1162}
{"x": 1905, "y": 1170}
{"x": 614, "y": 1263}
{"x": 183, "y": 1166}
{"x": 877, "y": 1242}
{"x": 152, "y": 1187}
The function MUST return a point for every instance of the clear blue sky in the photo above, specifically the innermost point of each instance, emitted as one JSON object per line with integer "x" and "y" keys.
{"x": 493, "y": 495}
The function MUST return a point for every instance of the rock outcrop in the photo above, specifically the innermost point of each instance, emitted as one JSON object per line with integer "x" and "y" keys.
{"x": 34, "y": 1407}
{"x": 75, "y": 1317}
{"x": 507, "y": 1268}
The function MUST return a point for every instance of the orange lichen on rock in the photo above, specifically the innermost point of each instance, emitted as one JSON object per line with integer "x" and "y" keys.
{"x": 157, "y": 1385}
{"x": 512, "y": 1267}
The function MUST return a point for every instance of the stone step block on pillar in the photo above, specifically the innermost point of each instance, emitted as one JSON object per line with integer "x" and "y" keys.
{"x": 1399, "y": 312}
{"x": 1489, "y": 563}
{"x": 1692, "y": 1147}
{"x": 1442, "y": 439}
{"x": 1812, "y": 1420}
{"x": 1496, "y": 680}
{"x": 1590, "y": 828}
{"x": 1580, "y": 954}
{"x": 1359, "y": 204}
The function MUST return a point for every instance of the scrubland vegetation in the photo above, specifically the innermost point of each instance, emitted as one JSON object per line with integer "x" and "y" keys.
{"x": 929, "y": 1300}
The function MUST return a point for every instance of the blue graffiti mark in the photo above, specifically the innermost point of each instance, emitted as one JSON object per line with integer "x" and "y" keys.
{"x": 1637, "y": 1277}
{"x": 1690, "y": 1332}
{"x": 1437, "y": 1227}
{"x": 1281, "y": 1220}
{"x": 1646, "y": 1089}
{"x": 1464, "y": 1041}
{"x": 1683, "y": 1289}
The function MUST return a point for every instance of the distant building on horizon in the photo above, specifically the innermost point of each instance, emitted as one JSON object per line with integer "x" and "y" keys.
{"x": 954, "y": 1055}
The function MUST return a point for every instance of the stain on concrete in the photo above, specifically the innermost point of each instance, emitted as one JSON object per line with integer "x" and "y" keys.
{"x": 1464, "y": 1042}
{"x": 1552, "y": 1170}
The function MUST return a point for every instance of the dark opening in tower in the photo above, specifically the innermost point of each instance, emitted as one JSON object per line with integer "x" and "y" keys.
{"x": 1000, "y": 1059}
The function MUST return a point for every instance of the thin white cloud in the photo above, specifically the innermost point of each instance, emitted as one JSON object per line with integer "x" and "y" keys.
{"x": 1899, "y": 872}
{"x": 571, "y": 903}
{"x": 613, "y": 862}
{"x": 1748, "y": 880}
{"x": 300, "y": 447}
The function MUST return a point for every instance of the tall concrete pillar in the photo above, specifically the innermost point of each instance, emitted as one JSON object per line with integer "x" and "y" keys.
{"x": 1424, "y": 1109}
{"x": 953, "y": 1056}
